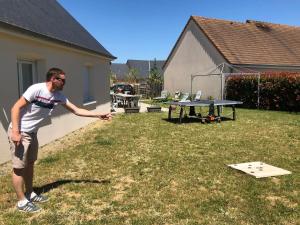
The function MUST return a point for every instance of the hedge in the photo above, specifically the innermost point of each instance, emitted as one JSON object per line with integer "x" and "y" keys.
{"x": 277, "y": 90}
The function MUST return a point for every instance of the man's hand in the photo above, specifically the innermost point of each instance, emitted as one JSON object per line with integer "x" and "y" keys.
{"x": 106, "y": 116}
{"x": 16, "y": 137}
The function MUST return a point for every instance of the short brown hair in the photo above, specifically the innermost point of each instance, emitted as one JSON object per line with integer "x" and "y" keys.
{"x": 53, "y": 72}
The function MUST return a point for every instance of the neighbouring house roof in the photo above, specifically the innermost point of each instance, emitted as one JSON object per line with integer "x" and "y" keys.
{"x": 47, "y": 19}
{"x": 253, "y": 42}
{"x": 120, "y": 70}
{"x": 144, "y": 66}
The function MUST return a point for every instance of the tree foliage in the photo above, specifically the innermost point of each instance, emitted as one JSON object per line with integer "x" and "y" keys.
{"x": 113, "y": 78}
{"x": 155, "y": 80}
{"x": 133, "y": 76}
{"x": 276, "y": 90}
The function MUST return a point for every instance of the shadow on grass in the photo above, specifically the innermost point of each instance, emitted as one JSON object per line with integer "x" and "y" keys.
{"x": 194, "y": 120}
{"x": 184, "y": 120}
{"x": 47, "y": 187}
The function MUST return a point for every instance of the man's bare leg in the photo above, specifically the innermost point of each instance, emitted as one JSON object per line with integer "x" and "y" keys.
{"x": 18, "y": 182}
{"x": 28, "y": 177}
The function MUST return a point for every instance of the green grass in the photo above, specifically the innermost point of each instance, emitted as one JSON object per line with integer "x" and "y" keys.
{"x": 142, "y": 169}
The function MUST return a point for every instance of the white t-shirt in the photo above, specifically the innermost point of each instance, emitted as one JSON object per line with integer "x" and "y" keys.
{"x": 42, "y": 102}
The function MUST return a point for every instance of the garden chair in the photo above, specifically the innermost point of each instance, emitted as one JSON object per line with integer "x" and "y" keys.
{"x": 163, "y": 96}
{"x": 185, "y": 97}
{"x": 198, "y": 95}
{"x": 177, "y": 96}
{"x": 114, "y": 102}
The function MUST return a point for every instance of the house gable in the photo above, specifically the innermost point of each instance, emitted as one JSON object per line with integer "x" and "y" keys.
{"x": 192, "y": 54}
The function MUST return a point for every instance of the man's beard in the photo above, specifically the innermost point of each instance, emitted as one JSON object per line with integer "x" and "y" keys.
{"x": 59, "y": 87}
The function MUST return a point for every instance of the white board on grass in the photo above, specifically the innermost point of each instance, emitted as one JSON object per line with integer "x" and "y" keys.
{"x": 259, "y": 169}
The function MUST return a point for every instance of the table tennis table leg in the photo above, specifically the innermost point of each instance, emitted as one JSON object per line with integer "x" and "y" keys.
{"x": 219, "y": 113}
{"x": 211, "y": 110}
{"x": 218, "y": 110}
{"x": 170, "y": 111}
{"x": 192, "y": 111}
{"x": 233, "y": 112}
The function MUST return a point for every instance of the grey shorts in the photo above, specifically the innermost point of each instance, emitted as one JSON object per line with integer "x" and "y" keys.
{"x": 26, "y": 152}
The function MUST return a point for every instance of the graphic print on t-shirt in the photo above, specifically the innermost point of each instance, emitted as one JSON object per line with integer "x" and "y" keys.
{"x": 45, "y": 102}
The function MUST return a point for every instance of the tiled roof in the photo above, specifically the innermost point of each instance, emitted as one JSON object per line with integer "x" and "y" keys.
{"x": 120, "y": 70}
{"x": 253, "y": 42}
{"x": 47, "y": 19}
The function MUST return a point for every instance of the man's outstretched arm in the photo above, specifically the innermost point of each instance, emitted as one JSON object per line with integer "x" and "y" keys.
{"x": 86, "y": 113}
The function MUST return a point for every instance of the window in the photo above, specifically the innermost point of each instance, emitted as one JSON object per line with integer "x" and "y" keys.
{"x": 87, "y": 86}
{"x": 26, "y": 75}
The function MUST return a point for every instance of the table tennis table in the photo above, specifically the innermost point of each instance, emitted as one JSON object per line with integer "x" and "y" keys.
{"x": 212, "y": 104}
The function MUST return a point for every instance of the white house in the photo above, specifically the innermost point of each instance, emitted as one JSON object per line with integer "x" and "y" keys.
{"x": 36, "y": 35}
{"x": 206, "y": 43}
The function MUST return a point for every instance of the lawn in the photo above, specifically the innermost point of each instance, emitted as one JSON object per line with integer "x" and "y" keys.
{"x": 142, "y": 169}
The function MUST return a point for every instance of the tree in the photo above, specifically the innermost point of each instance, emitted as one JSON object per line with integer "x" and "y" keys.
{"x": 155, "y": 81}
{"x": 113, "y": 78}
{"x": 133, "y": 76}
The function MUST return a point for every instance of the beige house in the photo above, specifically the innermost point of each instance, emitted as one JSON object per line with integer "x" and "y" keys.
{"x": 211, "y": 46}
{"x": 35, "y": 36}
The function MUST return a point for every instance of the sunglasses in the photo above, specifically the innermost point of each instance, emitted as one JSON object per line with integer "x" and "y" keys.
{"x": 60, "y": 79}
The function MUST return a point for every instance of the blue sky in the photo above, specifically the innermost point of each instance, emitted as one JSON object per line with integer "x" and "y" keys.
{"x": 140, "y": 29}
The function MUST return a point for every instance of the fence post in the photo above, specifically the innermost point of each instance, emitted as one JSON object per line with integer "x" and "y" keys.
{"x": 258, "y": 90}
{"x": 192, "y": 77}
{"x": 222, "y": 87}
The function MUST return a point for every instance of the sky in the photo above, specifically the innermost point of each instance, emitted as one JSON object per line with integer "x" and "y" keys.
{"x": 144, "y": 30}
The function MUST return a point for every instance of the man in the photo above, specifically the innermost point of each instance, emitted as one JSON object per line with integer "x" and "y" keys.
{"x": 28, "y": 112}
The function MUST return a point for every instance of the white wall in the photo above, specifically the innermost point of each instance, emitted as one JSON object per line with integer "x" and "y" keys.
{"x": 47, "y": 55}
{"x": 193, "y": 54}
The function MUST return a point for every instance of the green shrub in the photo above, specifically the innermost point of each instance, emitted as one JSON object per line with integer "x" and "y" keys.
{"x": 277, "y": 90}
